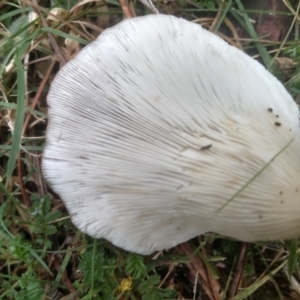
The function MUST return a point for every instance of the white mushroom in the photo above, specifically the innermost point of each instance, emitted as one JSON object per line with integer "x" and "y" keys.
{"x": 160, "y": 131}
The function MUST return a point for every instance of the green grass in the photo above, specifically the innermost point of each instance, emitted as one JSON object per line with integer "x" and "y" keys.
{"x": 42, "y": 255}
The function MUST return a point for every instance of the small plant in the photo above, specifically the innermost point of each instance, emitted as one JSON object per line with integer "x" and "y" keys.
{"x": 111, "y": 275}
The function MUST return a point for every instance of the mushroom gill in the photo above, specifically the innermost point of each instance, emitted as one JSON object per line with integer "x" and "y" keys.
{"x": 160, "y": 131}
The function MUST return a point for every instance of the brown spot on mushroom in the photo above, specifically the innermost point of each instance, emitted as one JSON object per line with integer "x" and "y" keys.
{"x": 281, "y": 201}
{"x": 280, "y": 193}
{"x": 277, "y": 124}
{"x": 260, "y": 216}
{"x": 270, "y": 109}
{"x": 277, "y": 116}
{"x": 297, "y": 190}
{"x": 157, "y": 99}
{"x": 205, "y": 147}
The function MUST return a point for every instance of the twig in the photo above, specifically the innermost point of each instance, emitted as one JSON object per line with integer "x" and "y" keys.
{"x": 52, "y": 40}
{"x": 149, "y": 4}
{"x": 126, "y": 9}
{"x": 36, "y": 160}
{"x": 38, "y": 94}
{"x": 22, "y": 186}
{"x": 218, "y": 16}
{"x": 65, "y": 279}
{"x": 239, "y": 273}
{"x": 197, "y": 266}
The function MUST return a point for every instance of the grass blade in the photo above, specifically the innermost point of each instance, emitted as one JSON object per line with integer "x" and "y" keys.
{"x": 256, "y": 175}
{"x": 17, "y": 134}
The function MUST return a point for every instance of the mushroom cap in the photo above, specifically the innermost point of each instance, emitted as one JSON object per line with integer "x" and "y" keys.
{"x": 160, "y": 131}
